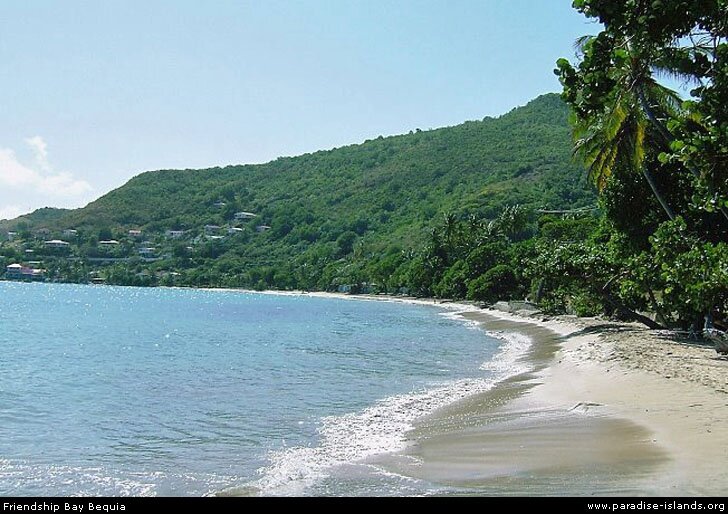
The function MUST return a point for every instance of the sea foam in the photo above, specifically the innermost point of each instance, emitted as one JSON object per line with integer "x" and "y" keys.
{"x": 383, "y": 427}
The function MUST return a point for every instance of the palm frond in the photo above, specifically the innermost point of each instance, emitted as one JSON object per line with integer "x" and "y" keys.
{"x": 664, "y": 99}
{"x": 581, "y": 43}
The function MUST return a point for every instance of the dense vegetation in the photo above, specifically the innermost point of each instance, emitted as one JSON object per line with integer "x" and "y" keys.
{"x": 659, "y": 246}
{"x": 660, "y": 163}
{"x": 487, "y": 210}
{"x": 354, "y": 216}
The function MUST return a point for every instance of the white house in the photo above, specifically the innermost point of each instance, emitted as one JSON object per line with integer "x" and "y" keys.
{"x": 147, "y": 251}
{"x": 241, "y": 216}
{"x": 235, "y": 230}
{"x": 13, "y": 271}
{"x": 219, "y": 204}
{"x": 19, "y": 272}
{"x": 69, "y": 232}
{"x": 262, "y": 228}
{"x": 109, "y": 242}
{"x": 135, "y": 233}
{"x": 57, "y": 243}
{"x": 34, "y": 274}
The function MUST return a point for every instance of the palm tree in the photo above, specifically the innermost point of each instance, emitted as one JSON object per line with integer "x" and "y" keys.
{"x": 450, "y": 229}
{"x": 632, "y": 118}
{"x": 513, "y": 220}
{"x": 618, "y": 136}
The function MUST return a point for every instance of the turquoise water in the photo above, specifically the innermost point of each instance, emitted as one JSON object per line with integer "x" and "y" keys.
{"x": 132, "y": 391}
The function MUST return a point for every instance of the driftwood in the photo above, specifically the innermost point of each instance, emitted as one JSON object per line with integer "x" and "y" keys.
{"x": 718, "y": 338}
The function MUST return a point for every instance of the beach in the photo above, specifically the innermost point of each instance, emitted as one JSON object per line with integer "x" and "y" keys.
{"x": 370, "y": 399}
{"x": 605, "y": 409}
{"x": 601, "y": 408}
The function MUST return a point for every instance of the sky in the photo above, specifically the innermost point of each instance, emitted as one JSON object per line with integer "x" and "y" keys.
{"x": 95, "y": 92}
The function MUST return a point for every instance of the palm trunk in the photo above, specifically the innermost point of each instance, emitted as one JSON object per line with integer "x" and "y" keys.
{"x": 651, "y": 181}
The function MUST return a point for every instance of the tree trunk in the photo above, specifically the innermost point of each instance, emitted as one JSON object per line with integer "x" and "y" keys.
{"x": 658, "y": 312}
{"x": 651, "y": 181}
{"x": 621, "y": 309}
{"x": 629, "y": 313}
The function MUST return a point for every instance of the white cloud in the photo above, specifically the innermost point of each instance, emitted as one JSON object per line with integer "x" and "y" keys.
{"x": 38, "y": 180}
{"x": 40, "y": 150}
{"x": 10, "y": 212}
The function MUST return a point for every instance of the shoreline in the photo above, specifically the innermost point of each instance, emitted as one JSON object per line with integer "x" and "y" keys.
{"x": 605, "y": 409}
{"x": 608, "y": 409}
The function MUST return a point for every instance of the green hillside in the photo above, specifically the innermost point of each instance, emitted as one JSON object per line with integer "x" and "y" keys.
{"x": 325, "y": 209}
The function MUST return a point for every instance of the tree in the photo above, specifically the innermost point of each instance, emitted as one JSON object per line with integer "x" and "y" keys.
{"x": 498, "y": 283}
{"x": 613, "y": 130}
{"x": 613, "y": 91}
{"x": 626, "y": 122}
{"x": 104, "y": 234}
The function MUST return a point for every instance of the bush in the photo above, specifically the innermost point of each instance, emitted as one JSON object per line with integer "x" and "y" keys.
{"x": 453, "y": 282}
{"x": 498, "y": 283}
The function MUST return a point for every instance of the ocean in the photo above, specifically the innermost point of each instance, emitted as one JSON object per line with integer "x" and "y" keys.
{"x": 120, "y": 391}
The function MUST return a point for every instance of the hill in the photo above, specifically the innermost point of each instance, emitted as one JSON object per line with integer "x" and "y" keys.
{"x": 317, "y": 212}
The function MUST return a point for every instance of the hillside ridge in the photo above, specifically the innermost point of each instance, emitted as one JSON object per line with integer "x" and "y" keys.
{"x": 382, "y": 196}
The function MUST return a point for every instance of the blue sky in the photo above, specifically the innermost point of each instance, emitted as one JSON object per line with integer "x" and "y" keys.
{"x": 95, "y": 92}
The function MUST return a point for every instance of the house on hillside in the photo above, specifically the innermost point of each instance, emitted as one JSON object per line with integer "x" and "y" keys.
{"x": 70, "y": 232}
{"x": 235, "y": 230}
{"x": 35, "y": 275}
{"x": 20, "y": 272}
{"x": 262, "y": 228}
{"x": 12, "y": 236}
{"x": 212, "y": 229}
{"x": 108, "y": 243}
{"x": 147, "y": 251}
{"x": 14, "y": 272}
{"x": 219, "y": 204}
{"x": 57, "y": 243}
{"x": 135, "y": 233}
{"x": 174, "y": 234}
{"x": 244, "y": 216}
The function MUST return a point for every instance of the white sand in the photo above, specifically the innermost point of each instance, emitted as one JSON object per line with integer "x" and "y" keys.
{"x": 614, "y": 409}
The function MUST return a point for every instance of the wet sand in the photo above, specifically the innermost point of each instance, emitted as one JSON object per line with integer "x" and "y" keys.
{"x": 608, "y": 409}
